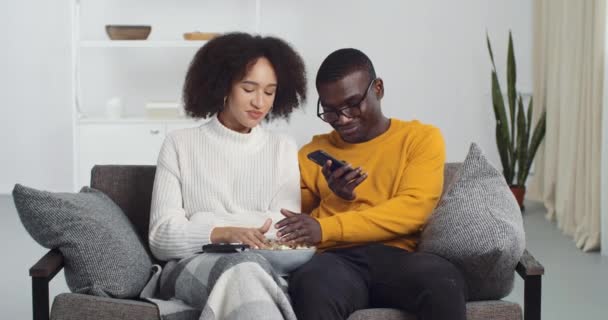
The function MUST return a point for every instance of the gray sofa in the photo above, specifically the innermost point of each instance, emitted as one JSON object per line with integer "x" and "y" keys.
{"x": 131, "y": 188}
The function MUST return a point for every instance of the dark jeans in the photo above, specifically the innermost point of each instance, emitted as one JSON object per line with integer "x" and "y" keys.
{"x": 336, "y": 283}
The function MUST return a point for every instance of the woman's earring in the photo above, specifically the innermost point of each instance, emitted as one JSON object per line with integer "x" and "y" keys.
{"x": 224, "y": 105}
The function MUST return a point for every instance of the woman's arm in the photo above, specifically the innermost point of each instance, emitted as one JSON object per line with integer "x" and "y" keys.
{"x": 172, "y": 235}
{"x": 288, "y": 192}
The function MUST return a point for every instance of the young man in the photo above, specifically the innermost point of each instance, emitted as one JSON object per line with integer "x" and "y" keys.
{"x": 367, "y": 215}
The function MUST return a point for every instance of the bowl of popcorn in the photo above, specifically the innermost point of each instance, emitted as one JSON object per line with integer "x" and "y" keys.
{"x": 286, "y": 258}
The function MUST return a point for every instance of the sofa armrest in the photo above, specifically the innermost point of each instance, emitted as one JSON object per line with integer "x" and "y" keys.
{"x": 41, "y": 273}
{"x": 531, "y": 271}
{"x": 48, "y": 266}
{"x": 528, "y": 266}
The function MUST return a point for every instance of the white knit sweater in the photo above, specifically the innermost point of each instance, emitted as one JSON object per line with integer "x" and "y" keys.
{"x": 212, "y": 176}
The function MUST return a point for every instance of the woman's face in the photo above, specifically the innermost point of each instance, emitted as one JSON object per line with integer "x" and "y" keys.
{"x": 250, "y": 98}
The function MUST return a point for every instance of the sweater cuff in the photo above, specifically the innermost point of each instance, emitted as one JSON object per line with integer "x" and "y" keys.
{"x": 331, "y": 229}
{"x": 199, "y": 230}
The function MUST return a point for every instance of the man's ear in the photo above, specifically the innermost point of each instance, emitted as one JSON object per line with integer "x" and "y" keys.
{"x": 379, "y": 88}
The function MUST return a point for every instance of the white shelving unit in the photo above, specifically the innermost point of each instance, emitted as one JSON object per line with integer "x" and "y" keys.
{"x": 138, "y": 71}
{"x": 141, "y": 44}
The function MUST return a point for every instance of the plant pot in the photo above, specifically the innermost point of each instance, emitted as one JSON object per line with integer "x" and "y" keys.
{"x": 519, "y": 192}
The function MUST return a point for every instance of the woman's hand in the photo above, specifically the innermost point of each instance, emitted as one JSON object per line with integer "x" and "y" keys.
{"x": 254, "y": 237}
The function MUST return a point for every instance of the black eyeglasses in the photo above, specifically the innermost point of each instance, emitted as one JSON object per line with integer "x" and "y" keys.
{"x": 349, "y": 111}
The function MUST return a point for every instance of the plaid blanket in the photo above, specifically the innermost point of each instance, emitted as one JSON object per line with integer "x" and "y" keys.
{"x": 219, "y": 286}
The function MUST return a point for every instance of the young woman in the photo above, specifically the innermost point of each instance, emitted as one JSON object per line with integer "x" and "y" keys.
{"x": 227, "y": 180}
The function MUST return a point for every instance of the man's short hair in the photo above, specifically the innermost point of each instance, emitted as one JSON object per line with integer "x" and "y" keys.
{"x": 343, "y": 62}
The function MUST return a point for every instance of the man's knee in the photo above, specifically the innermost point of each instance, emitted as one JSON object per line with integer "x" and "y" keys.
{"x": 311, "y": 279}
{"x": 326, "y": 289}
{"x": 442, "y": 279}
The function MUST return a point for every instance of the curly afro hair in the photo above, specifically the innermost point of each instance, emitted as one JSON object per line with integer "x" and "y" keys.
{"x": 227, "y": 58}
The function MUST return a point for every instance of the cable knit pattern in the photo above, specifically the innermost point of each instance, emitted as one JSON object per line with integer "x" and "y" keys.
{"x": 477, "y": 225}
{"x": 212, "y": 176}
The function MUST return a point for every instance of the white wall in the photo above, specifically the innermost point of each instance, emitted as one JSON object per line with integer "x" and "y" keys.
{"x": 35, "y": 116}
{"x": 432, "y": 56}
{"x": 35, "y": 131}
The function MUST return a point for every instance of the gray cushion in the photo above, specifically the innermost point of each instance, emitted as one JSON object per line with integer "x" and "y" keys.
{"x": 479, "y": 310}
{"x": 450, "y": 173}
{"x": 71, "y": 306}
{"x": 103, "y": 254}
{"x": 478, "y": 226}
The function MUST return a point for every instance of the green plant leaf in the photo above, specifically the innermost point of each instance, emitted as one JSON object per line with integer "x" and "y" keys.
{"x": 529, "y": 117}
{"x": 512, "y": 92}
{"x": 537, "y": 138}
{"x": 490, "y": 50}
{"x": 522, "y": 142}
{"x": 502, "y": 130}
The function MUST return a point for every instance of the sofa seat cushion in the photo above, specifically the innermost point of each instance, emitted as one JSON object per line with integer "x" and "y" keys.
{"x": 477, "y": 310}
{"x": 75, "y": 306}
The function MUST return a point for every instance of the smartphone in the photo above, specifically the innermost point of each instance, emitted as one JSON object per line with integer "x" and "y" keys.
{"x": 320, "y": 157}
{"x": 224, "y": 247}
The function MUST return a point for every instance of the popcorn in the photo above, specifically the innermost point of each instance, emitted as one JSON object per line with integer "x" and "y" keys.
{"x": 274, "y": 244}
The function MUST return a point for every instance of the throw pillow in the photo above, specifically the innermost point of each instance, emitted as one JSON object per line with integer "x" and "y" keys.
{"x": 477, "y": 225}
{"x": 103, "y": 255}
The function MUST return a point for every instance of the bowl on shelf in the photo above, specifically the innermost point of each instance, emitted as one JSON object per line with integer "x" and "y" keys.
{"x": 128, "y": 32}
{"x": 288, "y": 260}
{"x": 200, "y": 35}
{"x": 163, "y": 110}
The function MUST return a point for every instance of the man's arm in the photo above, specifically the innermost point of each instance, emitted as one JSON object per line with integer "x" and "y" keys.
{"x": 310, "y": 200}
{"x": 405, "y": 213}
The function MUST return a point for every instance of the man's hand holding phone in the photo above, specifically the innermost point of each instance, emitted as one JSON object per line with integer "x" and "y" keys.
{"x": 340, "y": 176}
{"x": 343, "y": 180}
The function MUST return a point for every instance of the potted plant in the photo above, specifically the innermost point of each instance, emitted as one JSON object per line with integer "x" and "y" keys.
{"x": 516, "y": 146}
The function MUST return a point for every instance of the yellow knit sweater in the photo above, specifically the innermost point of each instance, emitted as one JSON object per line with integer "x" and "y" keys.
{"x": 404, "y": 183}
